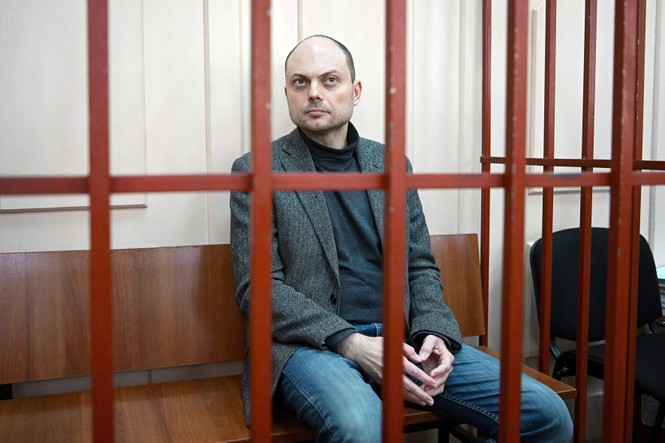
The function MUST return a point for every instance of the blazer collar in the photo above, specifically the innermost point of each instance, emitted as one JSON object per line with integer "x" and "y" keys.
{"x": 372, "y": 163}
{"x": 296, "y": 158}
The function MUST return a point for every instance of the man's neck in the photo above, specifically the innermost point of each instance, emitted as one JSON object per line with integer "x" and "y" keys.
{"x": 335, "y": 139}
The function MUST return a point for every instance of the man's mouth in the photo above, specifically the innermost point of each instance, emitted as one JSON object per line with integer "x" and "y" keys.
{"x": 315, "y": 112}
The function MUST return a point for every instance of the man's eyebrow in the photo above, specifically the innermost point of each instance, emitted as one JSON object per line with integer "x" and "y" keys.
{"x": 299, "y": 75}
{"x": 332, "y": 71}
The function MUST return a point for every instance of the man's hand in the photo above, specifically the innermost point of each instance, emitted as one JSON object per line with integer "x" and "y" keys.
{"x": 367, "y": 352}
{"x": 437, "y": 362}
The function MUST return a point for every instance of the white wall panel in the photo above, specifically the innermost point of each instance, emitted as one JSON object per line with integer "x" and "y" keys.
{"x": 435, "y": 104}
{"x": 227, "y": 100}
{"x": 180, "y": 90}
{"x": 175, "y": 86}
{"x": 286, "y": 33}
{"x": 44, "y": 92}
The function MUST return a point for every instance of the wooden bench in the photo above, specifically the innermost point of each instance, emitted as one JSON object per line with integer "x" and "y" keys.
{"x": 173, "y": 307}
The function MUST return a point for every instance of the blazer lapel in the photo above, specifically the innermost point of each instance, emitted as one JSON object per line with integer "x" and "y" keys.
{"x": 372, "y": 163}
{"x": 298, "y": 159}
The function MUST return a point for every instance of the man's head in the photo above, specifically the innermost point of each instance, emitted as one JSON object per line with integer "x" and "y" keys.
{"x": 344, "y": 49}
{"x": 321, "y": 89}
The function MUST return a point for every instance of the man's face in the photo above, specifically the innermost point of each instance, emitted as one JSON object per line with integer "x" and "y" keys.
{"x": 319, "y": 90}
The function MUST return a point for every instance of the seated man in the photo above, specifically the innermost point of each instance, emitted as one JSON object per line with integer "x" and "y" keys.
{"x": 327, "y": 290}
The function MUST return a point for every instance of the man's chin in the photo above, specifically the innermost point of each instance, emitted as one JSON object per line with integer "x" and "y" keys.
{"x": 315, "y": 127}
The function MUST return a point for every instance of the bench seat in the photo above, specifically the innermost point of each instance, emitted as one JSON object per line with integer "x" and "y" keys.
{"x": 173, "y": 307}
{"x": 207, "y": 410}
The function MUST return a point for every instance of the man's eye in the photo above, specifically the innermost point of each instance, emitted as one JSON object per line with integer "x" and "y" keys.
{"x": 299, "y": 82}
{"x": 331, "y": 80}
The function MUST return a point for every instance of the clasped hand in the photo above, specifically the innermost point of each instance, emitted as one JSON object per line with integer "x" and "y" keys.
{"x": 435, "y": 361}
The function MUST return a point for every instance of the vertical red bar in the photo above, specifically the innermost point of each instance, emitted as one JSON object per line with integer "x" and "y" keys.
{"x": 586, "y": 202}
{"x": 618, "y": 392}
{"x": 548, "y": 193}
{"x": 513, "y": 258}
{"x": 637, "y": 201}
{"x": 486, "y": 167}
{"x": 100, "y": 255}
{"x": 261, "y": 226}
{"x": 395, "y": 219}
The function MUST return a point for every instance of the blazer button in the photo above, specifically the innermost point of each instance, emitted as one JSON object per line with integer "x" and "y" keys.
{"x": 333, "y": 298}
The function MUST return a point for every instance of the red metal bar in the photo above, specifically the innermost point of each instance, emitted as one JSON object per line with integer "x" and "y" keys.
{"x": 586, "y": 202}
{"x": 569, "y": 162}
{"x": 178, "y": 183}
{"x": 582, "y": 179}
{"x": 650, "y": 164}
{"x": 43, "y": 185}
{"x": 486, "y": 168}
{"x": 548, "y": 192}
{"x": 617, "y": 392}
{"x": 101, "y": 314}
{"x": 455, "y": 181}
{"x": 261, "y": 227}
{"x": 513, "y": 257}
{"x": 328, "y": 181}
{"x": 395, "y": 219}
{"x": 302, "y": 182}
{"x": 635, "y": 224}
{"x": 649, "y": 178}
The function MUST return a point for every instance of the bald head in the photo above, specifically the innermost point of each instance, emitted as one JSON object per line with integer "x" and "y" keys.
{"x": 324, "y": 40}
{"x": 321, "y": 89}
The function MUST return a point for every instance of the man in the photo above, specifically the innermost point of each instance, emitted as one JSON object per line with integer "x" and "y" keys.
{"x": 327, "y": 281}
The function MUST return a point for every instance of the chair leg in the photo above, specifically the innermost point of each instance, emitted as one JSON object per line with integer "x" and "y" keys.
{"x": 443, "y": 434}
{"x": 658, "y": 422}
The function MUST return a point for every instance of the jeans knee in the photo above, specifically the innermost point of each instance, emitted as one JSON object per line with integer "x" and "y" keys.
{"x": 546, "y": 419}
{"x": 356, "y": 430}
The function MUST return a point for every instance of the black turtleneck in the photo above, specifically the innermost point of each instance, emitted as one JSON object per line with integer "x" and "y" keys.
{"x": 358, "y": 244}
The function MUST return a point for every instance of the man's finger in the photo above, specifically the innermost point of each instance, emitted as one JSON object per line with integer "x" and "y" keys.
{"x": 417, "y": 373}
{"x": 410, "y": 353}
{"x": 414, "y": 394}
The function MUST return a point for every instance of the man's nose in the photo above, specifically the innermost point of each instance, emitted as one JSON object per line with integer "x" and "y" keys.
{"x": 314, "y": 91}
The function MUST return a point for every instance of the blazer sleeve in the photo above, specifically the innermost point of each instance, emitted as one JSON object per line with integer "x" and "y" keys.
{"x": 296, "y": 318}
{"x": 428, "y": 312}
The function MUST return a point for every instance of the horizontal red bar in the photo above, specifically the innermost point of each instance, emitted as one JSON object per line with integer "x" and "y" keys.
{"x": 431, "y": 181}
{"x": 658, "y": 165}
{"x": 303, "y": 182}
{"x": 43, "y": 185}
{"x": 181, "y": 183}
{"x": 327, "y": 182}
{"x": 571, "y": 162}
{"x": 649, "y": 178}
{"x": 583, "y": 179}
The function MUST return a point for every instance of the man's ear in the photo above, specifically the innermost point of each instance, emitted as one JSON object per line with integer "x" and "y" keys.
{"x": 357, "y": 90}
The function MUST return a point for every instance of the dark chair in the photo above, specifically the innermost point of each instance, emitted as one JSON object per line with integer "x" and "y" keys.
{"x": 650, "y": 348}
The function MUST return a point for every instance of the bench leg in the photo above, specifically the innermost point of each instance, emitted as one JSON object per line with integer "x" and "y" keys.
{"x": 6, "y": 392}
{"x": 458, "y": 431}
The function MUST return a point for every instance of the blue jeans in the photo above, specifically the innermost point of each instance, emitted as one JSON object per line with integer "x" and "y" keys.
{"x": 341, "y": 403}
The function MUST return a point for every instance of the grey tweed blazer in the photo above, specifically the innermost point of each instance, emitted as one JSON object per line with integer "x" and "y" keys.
{"x": 305, "y": 274}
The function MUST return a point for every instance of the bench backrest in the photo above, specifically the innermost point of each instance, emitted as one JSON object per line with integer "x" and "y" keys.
{"x": 173, "y": 306}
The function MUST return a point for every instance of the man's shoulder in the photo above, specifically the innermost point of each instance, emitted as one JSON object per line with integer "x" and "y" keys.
{"x": 277, "y": 147}
{"x": 371, "y": 150}
{"x": 371, "y": 145}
